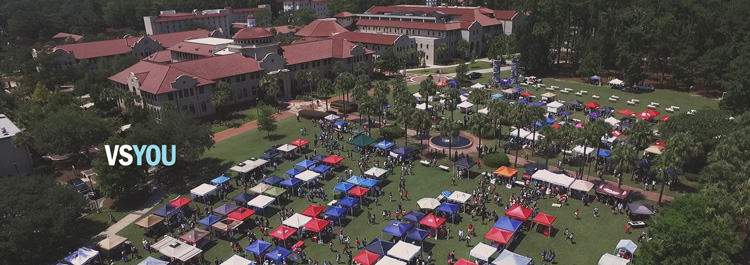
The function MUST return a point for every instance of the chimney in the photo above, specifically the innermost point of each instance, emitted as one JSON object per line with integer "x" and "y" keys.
{"x": 432, "y": 3}
{"x": 250, "y": 21}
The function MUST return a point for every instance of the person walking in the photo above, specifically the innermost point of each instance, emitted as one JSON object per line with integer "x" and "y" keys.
{"x": 460, "y": 234}
{"x": 578, "y": 212}
{"x": 571, "y": 238}
{"x": 596, "y": 211}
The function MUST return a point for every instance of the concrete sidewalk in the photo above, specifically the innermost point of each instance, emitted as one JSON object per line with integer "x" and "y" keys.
{"x": 156, "y": 197}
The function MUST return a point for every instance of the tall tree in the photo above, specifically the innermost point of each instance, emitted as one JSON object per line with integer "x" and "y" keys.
{"x": 461, "y": 71}
{"x": 118, "y": 182}
{"x": 463, "y": 47}
{"x": 41, "y": 93}
{"x": 479, "y": 125}
{"x": 380, "y": 97}
{"x": 449, "y": 129}
{"x": 345, "y": 82}
{"x": 624, "y": 158}
{"x": 267, "y": 121}
{"x": 68, "y": 131}
{"x": 325, "y": 89}
{"x": 441, "y": 50}
{"x": 221, "y": 96}
{"x": 271, "y": 89}
{"x": 422, "y": 124}
{"x": 170, "y": 127}
{"x": 389, "y": 61}
{"x": 304, "y": 16}
{"x": 641, "y": 134}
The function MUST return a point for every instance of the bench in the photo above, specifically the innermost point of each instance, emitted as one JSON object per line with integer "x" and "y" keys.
{"x": 654, "y": 103}
{"x": 578, "y": 94}
{"x": 576, "y": 120}
{"x": 424, "y": 162}
{"x": 651, "y": 106}
{"x": 631, "y": 103}
{"x": 561, "y": 101}
{"x": 675, "y": 108}
{"x": 550, "y": 89}
{"x": 556, "y": 205}
{"x": 595, "y": 96}
{"x": 444, "y": 168}
{"x": 584, "y": 92}
{"x": 636, "y": 100}
{"x": 519, "y": 183}
{"x": 333, "y": 202}
{"x": 567, "y": 89}
{"x": 612, "y": 99}
{"x": 614, "y": 96}
{"x": 564, "y": 91}
{"x": 637, "y": 223}
{"x": 554, "y": 87}
{"x": 691, "y": 112}
{"x": 669, "y": 109}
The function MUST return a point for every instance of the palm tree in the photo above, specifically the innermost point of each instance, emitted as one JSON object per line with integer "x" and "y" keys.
{"x": 478, "y": 97}
{"x": 344, "y": 82}
{"x": 441, "y": 49}
{"x": 640, "y": 134}
{"x": 427, "y": 88}
{"x": 380, "y": 96}
{"x": 535, "y": 113}
{"x": 270, "y": 86}
{"x": 519, "y": 116}
{"x": 680, "y": 148}
{"x": 406, "y": 117}
{"x": 449, "y": 129}
{"x": 549, "y": 141}
{"x": 667, "y": 162}
{"x": 367, "y": 105}
{"x": 325, "y": 88}
{"x": 598, "y": 129}
{"x": 406, "y": 57}
{"x": 497, "y": 113}
{"x": 478, "y": 125}
{"x": 423, "y": 124}
{"x": 624, "y": 158}
{"x": 452, "y": 98}
{"x": 588, "y": 136}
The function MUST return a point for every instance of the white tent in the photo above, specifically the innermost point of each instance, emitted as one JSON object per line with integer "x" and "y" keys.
{"x": 609, "y": 259}
{"x": 375, "y": 172}
{"x": 261, "y": 201}
{"x": 459, "y": 196}
{"x": 260, "y": 188}
{"x": 478, "y": 86}
{"x": 463, "y": 98}
{"x": 428, "y": 203}
{"x": 484, "y": 111}
{"x": 465, "y": 105}
{"x": 610, "y": 139}
{"x": 579, "y": 150}
{"x": 612, "y": 121}
{"x": 307, "y": 175}
{"x": 286, "y": 148}
{"x": 554, "y": 107}
{"x": 616, "y": 82}
{"x": 296, "y": 221}
{"x": 423, "y": 106}
{"x": 237, "y": 260}
{"x": 654, "y": 150}
{"x": 626, "y": 244}
{"x": 403, "y": 251}
{"x": 514, "y": 132}
{"x": 509, "y": 258}
{"x": 508, "y": 91}
{"x": 534, "y": 136}
{"x": 582, "y": 185}
{"x": 81, "y": 256}
{"x": 248, "y": 165}
{"x": 389, "y": 261}
{"x": 417, "y": 96}
{"x": 152, "y": 261}
{"x": 203, "y": 190}
{"x": 332, "y": 117}
{"x": 482, "y": 251}
{"x": 557, "y": 179}
{"x": 173, "y": 248}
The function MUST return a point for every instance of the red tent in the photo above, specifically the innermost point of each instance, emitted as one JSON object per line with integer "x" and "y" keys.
{"x": 283, "y": 232}
{"x": 333, "y": 159}
{"x": 544, "y": 219}
{"x": 648, "y": 114}
{"x": 366, "y": 258}
{"x": 464, "y": 262}
{"x": 518, "y": 212}
{"x": 660, "y": 143}
{"x": 626, "y": 112}
{"x": 526, "y": 94}
{"x": 432, "y": 221}
{"x": 358, "y": 191}
{"x": 663, "y": 119}
{"x": 241, "y": 214}
{"x": 556, "y": 125}
{"x": 179, "y": 202}
{"x": 616, "y": 133}
{"x": 300, "y": 142}
{"x": 313, "y": 210}
{"x": 499, "y": 235}
{"x": 591, "y": 105}
{"x": 316, "y": 225}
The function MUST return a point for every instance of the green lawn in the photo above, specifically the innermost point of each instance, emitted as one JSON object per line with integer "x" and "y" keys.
{"x": 237, "y": 119}
{"x": 447, "y": 70}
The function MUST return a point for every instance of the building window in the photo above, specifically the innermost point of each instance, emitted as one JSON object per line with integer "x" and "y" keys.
{"x": 200, "y": 90}
{"x": 244, "y": 92}
{"x": 192, "y": 109}
{"x": 170, "y": 96}
{"x": 237, "y": 78}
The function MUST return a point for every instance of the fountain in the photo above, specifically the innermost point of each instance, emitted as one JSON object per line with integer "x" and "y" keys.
{"x": 459, "y": 142}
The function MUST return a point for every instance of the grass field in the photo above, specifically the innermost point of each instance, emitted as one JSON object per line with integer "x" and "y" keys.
{"x": 448, "y": 70}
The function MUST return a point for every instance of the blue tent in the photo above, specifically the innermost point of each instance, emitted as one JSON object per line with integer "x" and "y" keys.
{"x": 278, "y": 254}
{"x": 538, "y": 103}
{"x": 604, "y": 153}
{"x": 167, "y": 211}
{"x": 293, "y": 171}
{"x": 446, "y": 193}
{"x": 523, "y": 100}
{"x": 643, "y": 163}
{"x": 243, "y": 198}
{"x": 566, "y": 113}
{"x": 575, "y": 102}
{"x": 273, "y": 180}
{"x": 379, "y": 246}
{"x": 318, "y": 158}
{"x": 453, "y": 82}
{"x": 461, "y": 92}
{"x": 413, "y": 217}
{"x": 595, "y": 115}
{"x": 403, "y": 151}
{"x": 517, "y": 89}
{"x": 497, "y": 96}
{"x": 305, "y": 164}
{"x": 335, "y": 212}
{"x": 209, "y": 220}
{"x": 385, "y": 145}
{"x": 447, "y": 208}
{"x": 538, "y": 124}
{"x": 369, "y": 183}
{"x": 505, "y": 81}
{"x": 385, "y": 107}
{"x": 225, "y": 209}
{"x": 508, "y": 224}
{"x": 356, "y": 180}
{"x": 348, "y": 201}
{"x": 219, "y": 180}
{"x": 321, "y": 168}
{"x": 549, "y": 120}
{"x": 257, "y": 247}
{"x": 290, "y": 182}
{"x": 340, "y": 123}
{"x": 417, "y": 234}
{"x": 343, "y": 186}
{"x": 397, "y": 229}
{"x": 270, "y": 154}
{"x": 608, "y": 109}
{"x": 595, "y": 77}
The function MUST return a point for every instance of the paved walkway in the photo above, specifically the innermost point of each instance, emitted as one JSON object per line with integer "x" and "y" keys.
{"x": 156, "y": 197}
{"x": 430, "y": 67}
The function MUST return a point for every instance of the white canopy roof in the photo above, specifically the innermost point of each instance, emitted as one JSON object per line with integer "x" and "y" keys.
{"x": 376, "y": 172}
{"x": 482, "y": 251}
{"x": 478, "y": 86}
{"x": 423, "y": 106}
{"x": 534, "y": 136}
{"x": 616, "y": 82}
{"x": 509, "y": 258}
{"x": 81, "y": 256}
{"x": 627, "y": 245}
{"x": 403, "y": 251}
{"x": 610, "y": 139}
{"x": 296, "y": 221}
{"x": 554, "y": 107}
{"x": 579, "y": 150}
{"x": 203, "y": 190}
{"x": 557, "y": 179}
{"x": 609, "y": 259}
{"x": 286, "y": 148}
{"x": 465, "y": 105}
{"x": 389, "y": 261}
{"x": 417, "y": 95}
{"x": 654, "y": 150}
{"x": 332, "y": 117}
{"x": 307, "y": 175}
{"x": 612, "y": 121}
{"x": 548, "y": 95}
{"x": 237, "y": 260}
{"x": 428, "y": 203}
{"x": 152, "y": 261}
{"x": 173, "y": 248}
{"x": 463, "y": 98}
{"x": 582, "y": 185}
{"x": 515, "y": 132}
{"x": 508, "y": 91}
{"x": 261, "y": 201}
{"x": 260, "y": 188}
{"x": 459, "y": 196}
{"x": 249, "y": 165}
{"x": 484, "y": 111}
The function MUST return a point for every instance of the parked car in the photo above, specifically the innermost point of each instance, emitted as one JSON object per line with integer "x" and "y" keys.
{"x": 474, "y": 75}
{"x": 79, "y": 185}
{"x": 644, "y": 88}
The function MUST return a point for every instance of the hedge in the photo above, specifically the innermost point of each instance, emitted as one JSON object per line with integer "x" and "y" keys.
{"x": 392, "y": 132}
{"x": 312, "y": 114}
{"x": 351, "y": 107}
{"x": 496, "y": 160}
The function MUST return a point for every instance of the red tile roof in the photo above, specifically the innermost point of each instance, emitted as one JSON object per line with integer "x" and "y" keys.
{"x": 321, "y": 28}
{"x": 96, "y": 49}
{"x": 193, "y": 48}
{"x": 252, "y": 33}
{"x": 185, "y": 16}
{"x": 239, "y": 26}
{"x": 464, "y": 14}
{"x": 63, "y": 35}
{"x": 359, "y": 37}
{"x": 409, "y": 25}
{"x": 240, "y": 10}
{"x": 320, "y": 0}
{"x": 344, "y": 14}
{"x": 170, "y": 39}
{"x": 505, "y": 14}
{"x": 284, "y": 29}
{"x": 318, "y": 50}
{"x": 159, "y": 57}
{"x": 157, "y": 78}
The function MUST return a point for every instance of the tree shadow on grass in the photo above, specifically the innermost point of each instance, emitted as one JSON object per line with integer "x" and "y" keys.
{"x": 274, "y": 137}
{"x": 184, "y": 179}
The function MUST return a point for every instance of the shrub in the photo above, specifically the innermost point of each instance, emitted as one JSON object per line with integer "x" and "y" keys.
{"x": 338, "y": 104}
{"x": 495, "y": 160}
{"x": 392, "y": 132}
{"x": 312, "y": 114}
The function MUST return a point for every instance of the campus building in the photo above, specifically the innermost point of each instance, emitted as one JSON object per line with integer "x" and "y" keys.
{"x": 169, "y": 21}
{"x": 14, "y": 160}
{"x": 319, "y": 6}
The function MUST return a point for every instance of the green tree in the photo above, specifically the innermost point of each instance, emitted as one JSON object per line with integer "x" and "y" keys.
{"x": 380, "y": 96}
{"x": 422, "y": 55}
{"x": 519, "y": 116}
{"x": 338, "y": 68}
{"x": 428, "y": 89}
{"x": 479, "y": 97}
{"x": 41, "y": 93}
{"x": 170, "y": 127}
{"x": 267, "y": 121}
{"x": 68, "y": 131}
{"x": 461, "y": 71}
{"x": 388, "y": 61}
{"x": 624, "y": 158}
{"x": 362, "y": 68}
{"x": 303, "y": 16}
{"x": 118, "y": 182}
{"x": 479, "y": 125}
{"x": 440, "y": 51}
{"x": 221, "y": 97}
{"x": 497, "y": 113}
{"x": 501, "y": 46}
{"x": 463, "y": 48}
{"x": 422, "y": 124}
{"x": 325, "y": 89}
{"x": 262, "y": 16}
{"x": 449, "y": 129}
{"x": 641, "y": 135}
{"x": 345, "y": 82}
{"x": 452, "y": 98}
{"x": 271, "y": 89}
{"x": 549, "y": 142}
